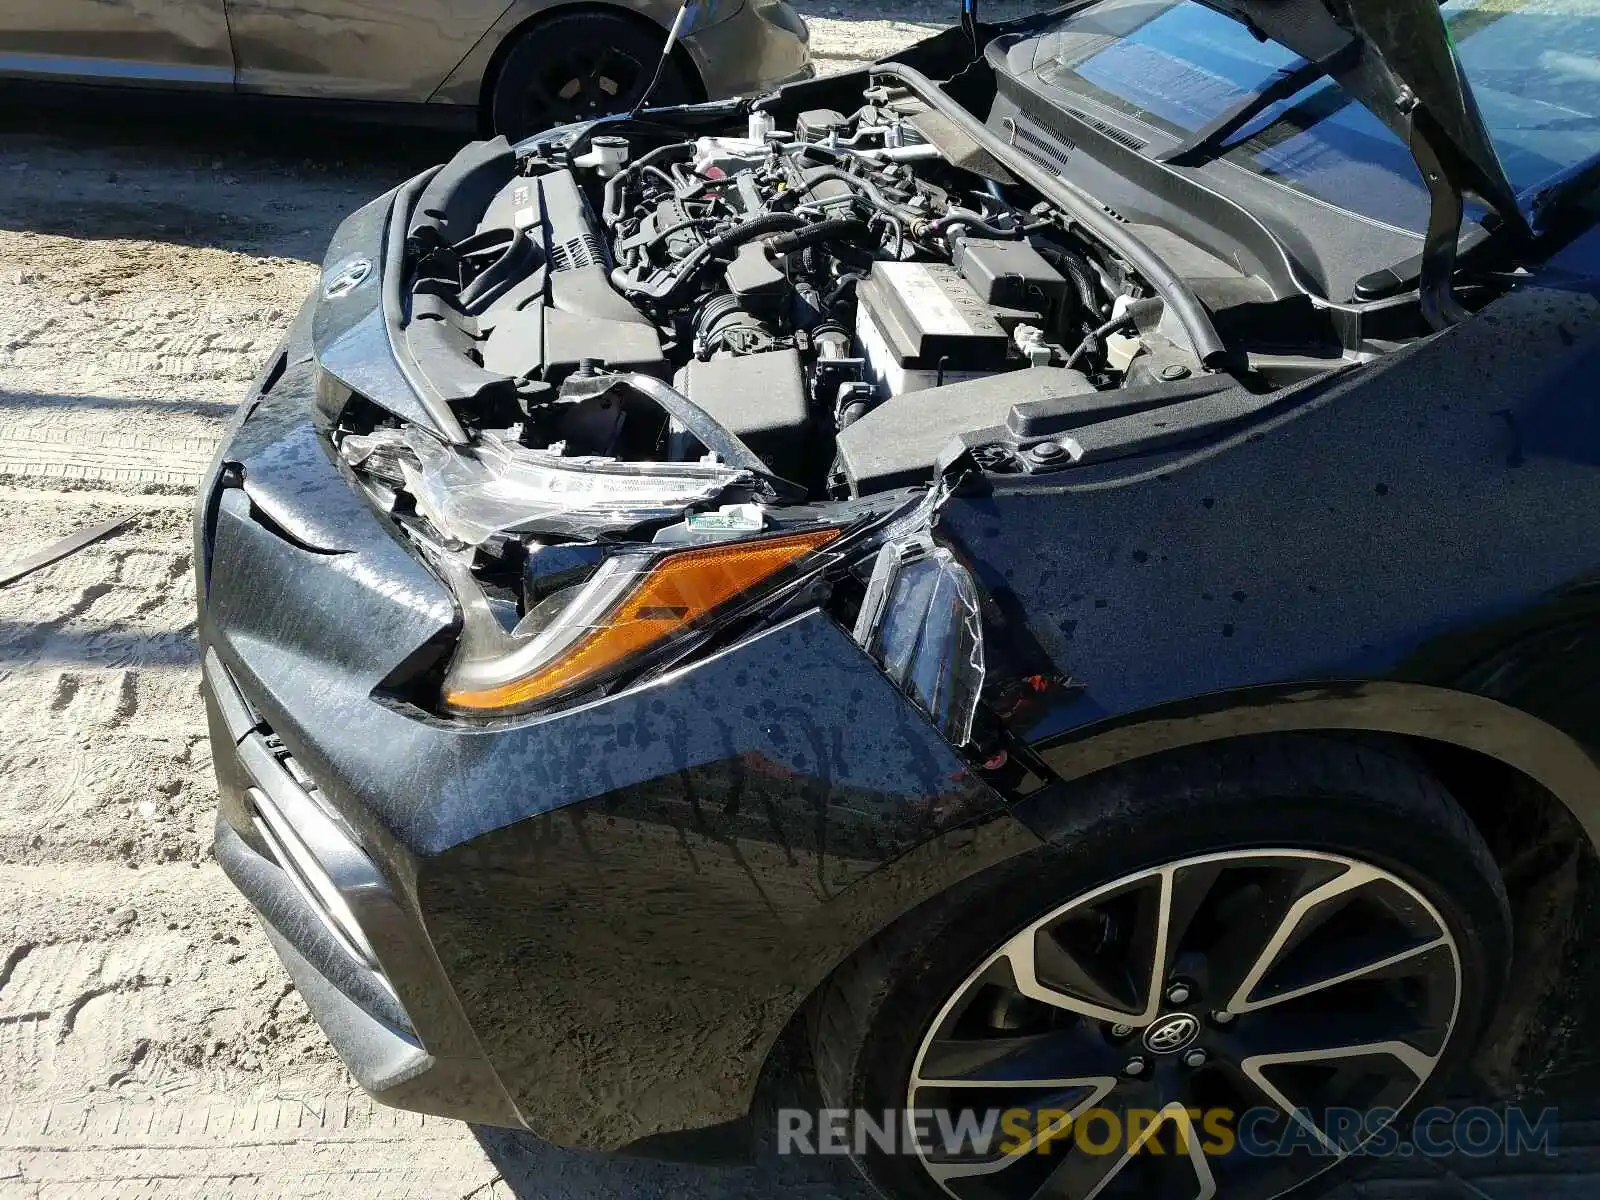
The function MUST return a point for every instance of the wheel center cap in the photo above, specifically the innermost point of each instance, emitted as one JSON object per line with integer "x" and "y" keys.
{"x": 1171, "y": 1033}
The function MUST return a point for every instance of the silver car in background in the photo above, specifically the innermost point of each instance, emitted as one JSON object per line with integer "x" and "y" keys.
{"x": 513, "y": 69}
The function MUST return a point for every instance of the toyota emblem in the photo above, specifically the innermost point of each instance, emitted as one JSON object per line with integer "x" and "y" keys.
{"x": 1171, "y": 1034}
{"x": 346, "y": 277}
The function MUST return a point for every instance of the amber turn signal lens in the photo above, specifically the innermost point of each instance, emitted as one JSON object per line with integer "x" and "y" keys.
{"x": 677, "y": 592}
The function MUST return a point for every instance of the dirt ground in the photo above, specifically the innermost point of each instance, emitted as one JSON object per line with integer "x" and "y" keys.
{"x": 149, "y": 1040}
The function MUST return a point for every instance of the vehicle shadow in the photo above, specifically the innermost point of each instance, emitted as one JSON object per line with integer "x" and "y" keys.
{"x": 120, "y": 644}
{"x": 731, "y": 1166}
{"x": 192, "y": 177}
{"x": 1565, "y": 1167}
{"x": 529, "y": 1168}
{"x": 15, "y": 404}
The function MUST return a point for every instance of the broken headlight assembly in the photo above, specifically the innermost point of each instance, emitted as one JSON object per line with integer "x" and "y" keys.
{"x": 631, "y": 610}
{"x": 921, "y": 622}
{"x": 640, "y": 608}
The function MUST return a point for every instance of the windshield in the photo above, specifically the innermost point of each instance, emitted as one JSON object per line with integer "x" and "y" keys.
{"x": 1534, "y": 66}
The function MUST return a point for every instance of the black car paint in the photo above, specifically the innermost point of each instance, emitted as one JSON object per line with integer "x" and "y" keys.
{"x": 609, "y": 915}
{"x": 744, "y": 842}
{"x": 1410, "y": 550}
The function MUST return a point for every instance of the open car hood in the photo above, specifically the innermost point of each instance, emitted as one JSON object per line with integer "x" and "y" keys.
{"x": 1396, "y": 58}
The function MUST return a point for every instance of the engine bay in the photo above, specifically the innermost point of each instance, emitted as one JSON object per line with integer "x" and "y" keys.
{"x": 821, "y": 306}
{"x": 756, "y": 346}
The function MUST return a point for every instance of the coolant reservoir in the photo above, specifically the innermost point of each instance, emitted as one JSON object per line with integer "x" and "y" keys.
{"x": 760, "y": 126}
{"x": 607, "y": 156}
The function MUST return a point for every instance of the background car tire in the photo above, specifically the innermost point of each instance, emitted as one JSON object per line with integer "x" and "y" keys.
{"x": 1371, "y": 803}
{"x": 582, "y": 65}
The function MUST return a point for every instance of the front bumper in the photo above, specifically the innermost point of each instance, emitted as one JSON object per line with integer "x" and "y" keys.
{"x": 593, "y": 923}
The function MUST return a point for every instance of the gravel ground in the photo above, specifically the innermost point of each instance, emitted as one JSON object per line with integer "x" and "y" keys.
{"x": 150, "y": 1042}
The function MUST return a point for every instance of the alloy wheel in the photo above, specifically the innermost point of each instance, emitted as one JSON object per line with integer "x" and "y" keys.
{"x": 587, "y": 81}
{"x": 1297, "y": 986}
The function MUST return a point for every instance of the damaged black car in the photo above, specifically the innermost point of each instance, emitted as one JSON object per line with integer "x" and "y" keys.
{"x": 1055, "y": 574}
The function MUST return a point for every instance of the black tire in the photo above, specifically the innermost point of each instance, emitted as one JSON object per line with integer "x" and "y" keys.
{"x": 570, "y": 68}
{"x": 1367, "y": 802}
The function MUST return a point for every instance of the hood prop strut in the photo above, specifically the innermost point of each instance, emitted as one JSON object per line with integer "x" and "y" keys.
{"x": 969, "y": 24}
{"x": 1407, "y": 74}
{"x": 1435, "y": 287}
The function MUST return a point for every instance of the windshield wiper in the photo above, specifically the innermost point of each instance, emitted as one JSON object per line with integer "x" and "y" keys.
{"x": 1210, "y": 140}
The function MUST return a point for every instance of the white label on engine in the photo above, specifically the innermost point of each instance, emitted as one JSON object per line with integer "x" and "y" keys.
{"x": 924, "y": 295}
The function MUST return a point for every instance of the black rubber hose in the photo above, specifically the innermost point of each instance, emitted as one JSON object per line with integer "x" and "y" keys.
{"x": 664, "y": 234}
{"x": 1084, "y": 283}
{"x": 614, "y": 185}
{"x": 846, "y": 282}
{"x": 866, "y": 187}
{"x": 1146, "y": 310}
{"x": 1208, "y": 345}
{"x": 751, "y": 230}
{"x": 814, "y": 150}
{"x": 1092, "y": 339}
{"x": 1080, "y": 274}
{"x": 839, "y": 229}
{"x": 717, "y": 248}
{"x": 705, "y": 428}
{"x": 962, "y": 219}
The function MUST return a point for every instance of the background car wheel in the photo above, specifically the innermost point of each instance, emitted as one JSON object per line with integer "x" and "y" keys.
{"x": 1275, "y": 924}
{"x": 570, "y": 68}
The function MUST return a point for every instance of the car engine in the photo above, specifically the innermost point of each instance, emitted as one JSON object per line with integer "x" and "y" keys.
{"x": 792, "y": 336}
{"x": 818, "y": 275}
{"x": 839, "y": 298}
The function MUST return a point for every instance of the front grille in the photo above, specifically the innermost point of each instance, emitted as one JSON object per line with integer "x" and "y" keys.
{"x": 313, "y": 883}
{"x": 326, "y": 897}
{"x": 302, "y": 778}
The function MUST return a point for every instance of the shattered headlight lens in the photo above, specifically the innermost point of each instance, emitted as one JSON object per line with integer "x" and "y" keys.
{"x": 647, "y": 606}
{"x": 497, "y": 486}
{"x": 637, "y": 607}
{"x": 921, "y": 621}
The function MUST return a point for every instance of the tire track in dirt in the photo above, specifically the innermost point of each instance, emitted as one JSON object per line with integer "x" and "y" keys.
{"x": 104, "y": 756}
{"x": 144, "y": 984}
{"x": 337, "y": 1145}
{"x": 130, "y": 460}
